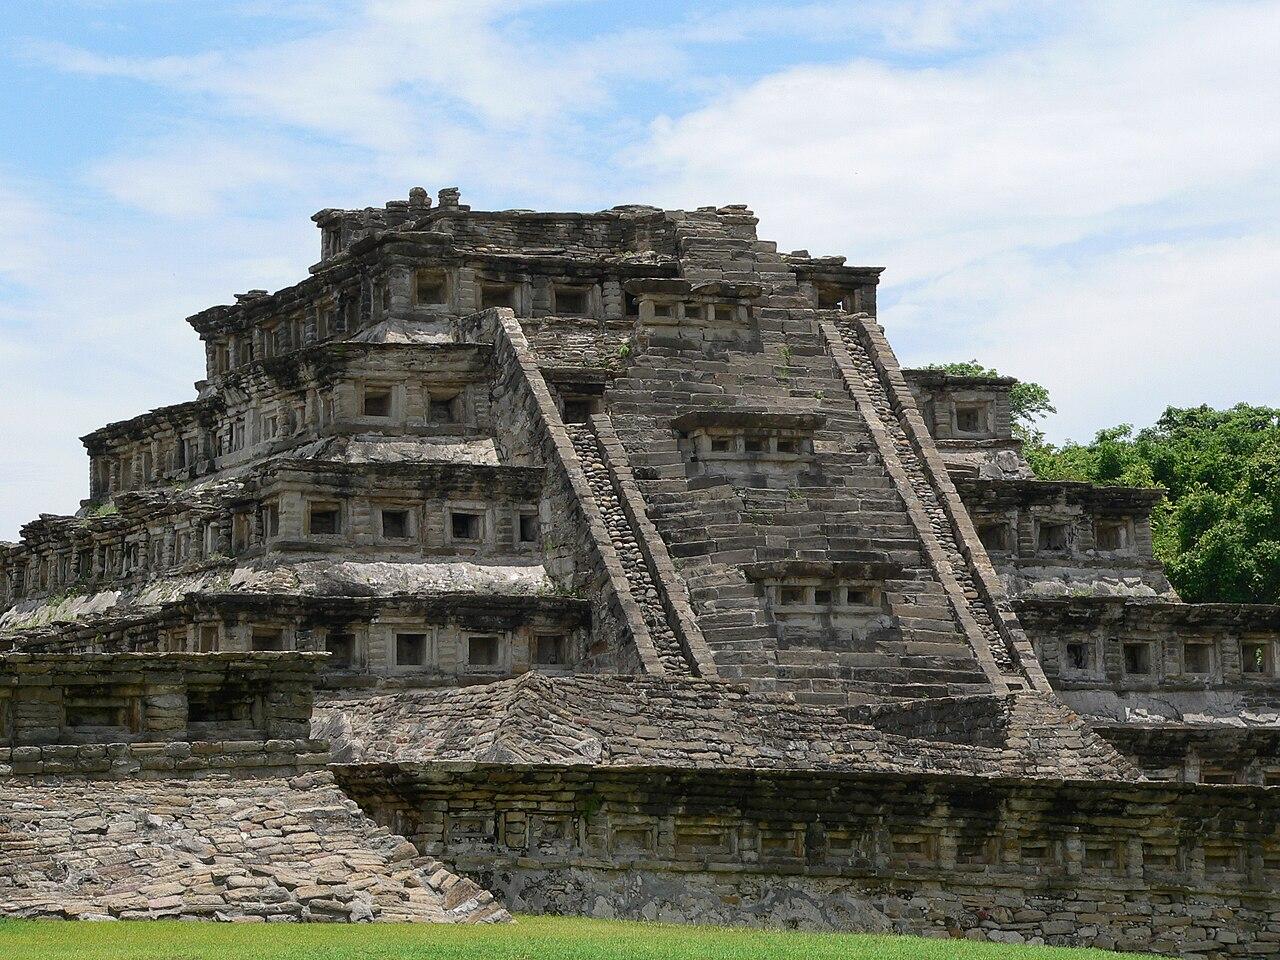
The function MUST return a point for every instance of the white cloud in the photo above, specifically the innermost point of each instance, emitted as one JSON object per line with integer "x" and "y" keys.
{"x": 928, "y": 25}
{"x": 395, "y": 71}
{"x": 1116, "y": 335}
{"x": 1050, "y": 209}
{"x": 899, "y": 27}
{"x": 1033, "y": 145}
{"x": 21, "y": 243}
{"x": 415, "y": 90}
{"x": 195, "y": 173}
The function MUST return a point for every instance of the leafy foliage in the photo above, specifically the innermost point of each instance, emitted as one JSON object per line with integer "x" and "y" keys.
{"x": 1218, "y": 533}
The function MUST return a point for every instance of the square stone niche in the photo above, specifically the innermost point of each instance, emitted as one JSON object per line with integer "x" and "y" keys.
{"x": 747, "y": 443}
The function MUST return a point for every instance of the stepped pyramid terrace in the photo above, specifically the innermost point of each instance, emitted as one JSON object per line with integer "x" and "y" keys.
{"x": 611, "y": 563}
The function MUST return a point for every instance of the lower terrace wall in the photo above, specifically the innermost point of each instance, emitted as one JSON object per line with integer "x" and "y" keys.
{"x": 1174, "y": 868}
{"x": 160, "y": 760}
{"x": 141, "y": 786}
{"x": 977, "y": 720}
{"x": 1207, "y": 753}
{"x": 155, "y": 698}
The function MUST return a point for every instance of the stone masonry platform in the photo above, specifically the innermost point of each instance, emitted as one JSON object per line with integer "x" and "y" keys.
{"x": 613, "y": 721}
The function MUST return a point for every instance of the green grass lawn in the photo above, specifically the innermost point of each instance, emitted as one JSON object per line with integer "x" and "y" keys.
{"x": 534, "y": 938}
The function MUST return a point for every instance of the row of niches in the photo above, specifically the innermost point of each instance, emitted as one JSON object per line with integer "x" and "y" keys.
{"x": 247, "y": 430}
{"x": 124, "y": 712}
{"x": 1030, "y": 533}
{"x": 827, "y": 614}
{"x": 78, "y": 558}
{"x": 398, "y": 646}
{"x": 81, "y": 560}
{"x": 692, "y": 312}
{"x": 446, "y": 291}
{"x": 1254, "y": 774}
{"x": 716, "y": 443}
{"x": 461, "y": 291}
{"x": 604, "y": 298}
{"x": 110, "y": 713}
{"x": 334, "y": 315}
{"x": 693, "y": 838}
{"x": 448, "y": 526}
{"x": 402, "y": 292}
{"x": 818, "y": 596}
{"x": 405, "y": 293}
{"x": 1173, "y": 661}
{"x": 420, "y": 406}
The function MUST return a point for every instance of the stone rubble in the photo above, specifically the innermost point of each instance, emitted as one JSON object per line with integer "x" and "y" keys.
{"x": 220, "y": 848}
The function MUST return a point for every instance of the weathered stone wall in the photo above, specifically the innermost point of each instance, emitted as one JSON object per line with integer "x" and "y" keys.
{"x": 1200, "y": 753}
{"x": 48, "y": 699}
{"x": 640, "y": 575}
{"x": 868, "y": 360}
{"x": 145, "y": 536}
{"x": 809, "y": 489}
{"x": 1058, "y": 538}
{"x": 149, "y": 760}
{"x": 666, "y": 593}
{"x": 284, "y": 402}
{"x": 1178, "y": 869}
{"x": 580, "y": 348}
{"x": 265, "y": 848}
{"x": 967, "y": 720}
{"x": 211, "y": 812}
{"x": 1136, "y": 660}
{"x": 149, "y": 716}
{"x": 579, "y": 234}
{"x": 424, "y": 495}
{"x": 298, "y": 605}
{"x": 1187, "y": 691}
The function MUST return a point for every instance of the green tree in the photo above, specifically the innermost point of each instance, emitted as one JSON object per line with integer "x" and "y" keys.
{"x": 1218, "y": 531}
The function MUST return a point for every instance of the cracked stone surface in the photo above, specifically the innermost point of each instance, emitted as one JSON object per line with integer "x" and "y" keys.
{"x": 216, "y": 849}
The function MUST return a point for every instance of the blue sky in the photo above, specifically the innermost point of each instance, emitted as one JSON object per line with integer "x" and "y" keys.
{"x": 1081, "y": 193}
